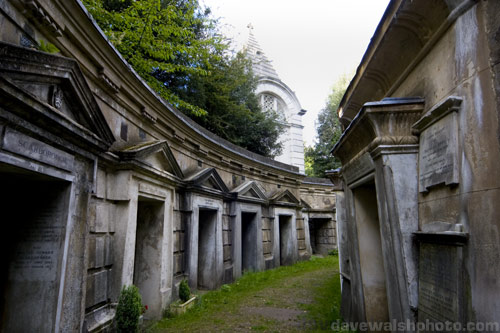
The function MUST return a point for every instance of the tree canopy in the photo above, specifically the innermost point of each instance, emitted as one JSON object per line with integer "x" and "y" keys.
{"x": 318, "y": 158}
{"x": 175, "y": 46}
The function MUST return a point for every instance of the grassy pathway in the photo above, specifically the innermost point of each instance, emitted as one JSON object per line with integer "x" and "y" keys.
{"x": 305, "y": 296}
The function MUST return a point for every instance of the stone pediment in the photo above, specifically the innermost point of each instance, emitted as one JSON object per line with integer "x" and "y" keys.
{"x": 156, "y": 153}
{"x": 250, "y": 190}
{"x": 58, "y": 84}
{"x": 284, "y": 197}
{"x": 207, "y": 179}
{"x": 304, "y": 204}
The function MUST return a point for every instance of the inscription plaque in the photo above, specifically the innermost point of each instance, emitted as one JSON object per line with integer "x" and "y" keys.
{"x": 27, "y": 146}
{"x": 439, "y": 283}
{"x": 439, "y": 149}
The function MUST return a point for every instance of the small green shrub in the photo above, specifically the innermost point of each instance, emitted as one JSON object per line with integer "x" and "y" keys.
{"x": 128, "y": 310}
{"x": 184, "y": 291}
{"x": 333, "y": 252}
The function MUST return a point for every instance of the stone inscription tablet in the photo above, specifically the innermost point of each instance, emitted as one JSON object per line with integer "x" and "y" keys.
{"x": 37, "y": 253}
{"x": 439, "y": 283}
{"x": 438, "y": 158}
{"x": 438, "y": 161}
{"x": 27, "y": 146}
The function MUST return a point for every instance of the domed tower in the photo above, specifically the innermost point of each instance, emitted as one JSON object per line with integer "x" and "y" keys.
{"x": 275, "y": 95}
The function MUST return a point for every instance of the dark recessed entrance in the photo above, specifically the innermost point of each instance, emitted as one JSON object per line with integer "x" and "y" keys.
{"x": 148, "y": 245}
{"x": 248, "y": 241}
{"x": 206, "y": 249}
{"x": 34, "y": 211}
{"x": 286, "y": 241}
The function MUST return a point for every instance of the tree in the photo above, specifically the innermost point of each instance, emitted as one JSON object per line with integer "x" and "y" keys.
{"x": 318, "y": 159}
{"x": 174, "y": 45}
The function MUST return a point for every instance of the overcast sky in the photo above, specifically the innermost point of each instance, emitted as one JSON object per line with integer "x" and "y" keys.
{"x": 310, "y": 43}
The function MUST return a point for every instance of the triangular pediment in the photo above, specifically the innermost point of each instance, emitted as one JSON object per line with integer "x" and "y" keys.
{"x": 208, "y": 179}
{"x": 285, "y": 197}
{"x": 57, "y": 83}
{"x": 250, "y": 190}
{"x": 156, "y": 153}
{"x": 304, "y": 204}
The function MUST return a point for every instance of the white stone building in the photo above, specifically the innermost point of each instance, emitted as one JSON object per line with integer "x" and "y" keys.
{"x": 275, "y": 95}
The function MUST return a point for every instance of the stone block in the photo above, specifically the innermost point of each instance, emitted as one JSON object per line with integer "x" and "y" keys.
{"x": 178, "y": 267}
{"x": 99, "y": 217}
{"x": 301, "y": 234}
{"x": 225, "y": 222}
{"x": 177, "y": 242}
{"x": 228, "y": 274}
{"x": 267, "y": 247}
{"x": 300, "y": 223}
{"x": 97, "y": 288}
{"x": 265, "y": 236}
{"x": 226, "y": 237}
{"x": 100, "y": 187}
{"x": 99, "y": 251}
{"x": 266, "y": 224}
{"x": 227, "y": 253}
{"x": 177, "y": 223}
{"x": 302, "y": 244}
{"x": 109, "y": 256}
{"x": 91, "y": 252}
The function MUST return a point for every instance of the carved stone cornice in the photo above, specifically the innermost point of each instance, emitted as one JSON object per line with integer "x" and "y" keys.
{"x": 385, "y": 123}
{"x": 406, "y": 33}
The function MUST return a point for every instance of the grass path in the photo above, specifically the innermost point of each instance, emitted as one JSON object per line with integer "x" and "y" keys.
{"x": 302, "y": 297}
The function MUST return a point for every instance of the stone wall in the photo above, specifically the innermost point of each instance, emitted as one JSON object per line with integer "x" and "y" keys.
{"x": 431, "y": 161}
{"x": 152, "y": 198}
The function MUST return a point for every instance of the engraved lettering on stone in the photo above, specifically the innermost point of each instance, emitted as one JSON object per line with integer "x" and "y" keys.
{"x": 438, "y": 154}
{"x": 438, "y": 283}
{"x": 27, "y": 146}
{"x": 36, "y": 254}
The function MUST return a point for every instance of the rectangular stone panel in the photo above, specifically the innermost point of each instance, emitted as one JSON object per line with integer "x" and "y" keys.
{"x": 440, "y": 283}
{"x": 438, "y": 161}
{"x": 27, "y": 146}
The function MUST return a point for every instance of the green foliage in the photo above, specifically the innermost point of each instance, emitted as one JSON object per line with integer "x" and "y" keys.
{"x": 128, "y": 310}
{"x": 48, "y": 47}
{"x": 175, "y": 46}
{"x": 233, "y": 110}
{"x": 333, "y": 252}
{"x": 318, "y": 158}
{"x": 184, "y": 291}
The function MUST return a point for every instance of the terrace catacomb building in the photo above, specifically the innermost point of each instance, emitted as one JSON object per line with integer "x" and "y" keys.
{"x": 103, "y": 184}
{"x": 419, "y": 230}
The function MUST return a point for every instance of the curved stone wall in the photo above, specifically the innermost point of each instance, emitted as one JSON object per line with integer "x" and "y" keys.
{"x": 137, "y": 193}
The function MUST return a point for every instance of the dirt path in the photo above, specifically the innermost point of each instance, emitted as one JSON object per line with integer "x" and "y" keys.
{"x": 282, "y": 307}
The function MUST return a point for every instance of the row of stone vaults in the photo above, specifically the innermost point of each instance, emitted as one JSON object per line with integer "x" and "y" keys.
{"x": 103, "y": 184}
{"x": 418, "y": 219}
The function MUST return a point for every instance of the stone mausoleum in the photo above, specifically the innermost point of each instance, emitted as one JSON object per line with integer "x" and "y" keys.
{"x": 104, "y": 184}
{"x": 418, "y": 219}
{"x": 275, "y": 95}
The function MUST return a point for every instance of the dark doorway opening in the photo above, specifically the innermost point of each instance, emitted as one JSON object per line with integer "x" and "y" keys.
{"x": 147, "y": 263}
{"x": 207, "y": 249}
{"x": 319, "y": 234}
{"x": 248, "y": 241}
{"x": 286, "y": 241}
{"x": 34, "y": 213}
{"x": 370, "y": 253}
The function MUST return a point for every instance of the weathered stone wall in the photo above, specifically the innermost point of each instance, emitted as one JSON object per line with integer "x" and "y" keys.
{"x": 147, "y": 182}
{"x": 443, "y": 181}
